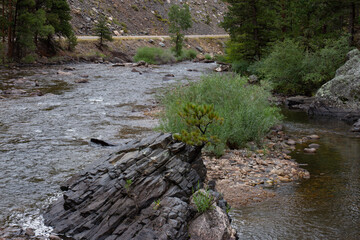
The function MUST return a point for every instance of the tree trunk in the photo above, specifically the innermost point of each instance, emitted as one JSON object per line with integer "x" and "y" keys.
{"x": 256, "y": 30}
{"x": 352, "y": 22}
{"x": 10, "y": 38}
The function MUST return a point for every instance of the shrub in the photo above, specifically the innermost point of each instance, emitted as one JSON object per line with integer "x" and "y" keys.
{"x": 245, "y": 109}
{"x": 203, "y": 200}
{"x": 208, "y": 57}
{"x": 293, "y": 70}
{"x": 186, "y": 55}
{"x": 153, "y": 55}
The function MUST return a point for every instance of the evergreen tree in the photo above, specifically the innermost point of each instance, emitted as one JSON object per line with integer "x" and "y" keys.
{"x": 180, "y": 20}
{"x": 25, "y": 22}
{"x": 251, "y": 25}
{"x": 102, "y": 31}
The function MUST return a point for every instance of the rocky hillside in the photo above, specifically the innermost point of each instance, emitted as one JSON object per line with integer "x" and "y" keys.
{"x": 144, "y": 17}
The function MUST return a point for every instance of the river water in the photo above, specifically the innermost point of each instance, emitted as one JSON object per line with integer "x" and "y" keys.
{"x": 45, "y": 140}
{"x": 327, "y": 206}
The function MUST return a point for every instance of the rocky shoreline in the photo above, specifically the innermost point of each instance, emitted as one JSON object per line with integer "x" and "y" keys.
{"x": 246, "y": 177}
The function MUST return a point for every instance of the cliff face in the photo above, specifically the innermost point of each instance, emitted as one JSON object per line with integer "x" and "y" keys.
{"x": 144, "y": 17}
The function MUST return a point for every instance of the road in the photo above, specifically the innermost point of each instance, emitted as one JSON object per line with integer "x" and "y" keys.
{"x": 152, "y": 37}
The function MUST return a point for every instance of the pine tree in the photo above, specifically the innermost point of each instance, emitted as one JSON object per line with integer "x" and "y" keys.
{"x": 102, "y": 31}
{"x": 180, "y": 20}
{"x": 251, "y": 25}
{"x": 25, "y": 22}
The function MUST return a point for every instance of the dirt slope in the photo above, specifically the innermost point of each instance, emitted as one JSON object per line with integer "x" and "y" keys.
{"x": 144, "y": 17}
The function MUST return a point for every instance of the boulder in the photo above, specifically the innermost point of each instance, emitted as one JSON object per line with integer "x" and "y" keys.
{"x": 340, "y": 96}
{"x": 141, "y": 191}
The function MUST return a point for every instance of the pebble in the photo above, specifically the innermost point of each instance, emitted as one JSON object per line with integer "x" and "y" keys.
{"x": 310, "y": 150}
{"x": 314, "y": 145}
{"x": 314, "y": 136}
{"x": 291, "y": 142}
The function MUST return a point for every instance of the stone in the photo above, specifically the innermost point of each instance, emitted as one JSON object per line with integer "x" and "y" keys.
{"x": 211, "y": 225}
{"x": 356, "y": 126}
{"x": 222, "y": 68}
{"x": 314, "y": 136}
{"x": 299, "y": 102}
{"x": 310, "y": 150}
{"x": 314, "y": 145}
{"x": 340, "y": 96}
{"x": 200, "y": 49}
{"x": 115, "y": 197}
{"x": 63, "y": 73}
{"x": 82, "y": 80}
{"x": 253, "y": 79}
{"x": 29, "y": 232}
{"x": 161, "y": 44}
{"x": 291, "y": 142}
{"x": 54, "y": 237}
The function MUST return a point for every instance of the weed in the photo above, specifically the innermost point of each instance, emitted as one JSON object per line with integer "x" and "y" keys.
{"x": 203, "y": 200}
{"x": 128, "y": 184}
{"x": 157, "y": 204}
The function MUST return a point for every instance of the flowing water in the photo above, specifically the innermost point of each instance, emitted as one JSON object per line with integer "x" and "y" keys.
{"x": 45, "y": 140}
{"x": 327, "y": 206}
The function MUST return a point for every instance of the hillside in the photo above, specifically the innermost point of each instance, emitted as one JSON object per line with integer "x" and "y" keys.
{"x": 146, "y": 17}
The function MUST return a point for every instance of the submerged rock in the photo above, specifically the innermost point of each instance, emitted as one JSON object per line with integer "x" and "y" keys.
{"x": 341, "y": 96}
{"x": 356, "y": 126}
{"x": 142, "y": 191}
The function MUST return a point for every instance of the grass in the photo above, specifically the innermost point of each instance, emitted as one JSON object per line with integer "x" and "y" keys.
{"x": 153, "y": 55}
{"x": 247, "y": 113}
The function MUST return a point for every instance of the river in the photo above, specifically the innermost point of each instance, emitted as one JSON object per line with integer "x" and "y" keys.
{"x": 45, "y": 140}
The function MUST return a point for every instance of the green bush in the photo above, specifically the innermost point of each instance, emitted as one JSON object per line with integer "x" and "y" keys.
{"x": 245, "y": 109}
{"x": 293, "y": 70}
{"x": 186, "y": 55}
{"x": 203, "y": 200}
{"x": 153, "y": 55}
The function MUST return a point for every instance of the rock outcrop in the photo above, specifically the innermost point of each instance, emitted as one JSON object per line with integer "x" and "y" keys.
{"x": 142, "y": 191}
{"x": 341, "y": 96}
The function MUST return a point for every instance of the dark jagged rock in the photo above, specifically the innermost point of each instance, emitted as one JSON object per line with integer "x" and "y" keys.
{"x": 101, "y": 142}
{"x": 142, "y": 191}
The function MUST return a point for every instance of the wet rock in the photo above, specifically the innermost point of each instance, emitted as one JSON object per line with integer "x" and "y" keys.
{"x": 299, "y": 102}
{"x": 54, "y": 237}
{"x": 314, "y": 136}
{"x": 82, "y": 80}
{"x": 356, "y": 126}
{"x": 29, "y": 232}
{"x": 314, "y": 145}
{"x": 222, "y": 68}
{"x": 310, "y": 150}
{"x": 63, "y": 73}
{"x": 119, "y": 65}
{"x": 69, "y": 69}
{"x": 141, "y": 191}
{"x": 291, "y": 142}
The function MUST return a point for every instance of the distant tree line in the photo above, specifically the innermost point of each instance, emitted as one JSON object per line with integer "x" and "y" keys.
{"x": 253, "y": 24}
{"x": 27, "y": 23}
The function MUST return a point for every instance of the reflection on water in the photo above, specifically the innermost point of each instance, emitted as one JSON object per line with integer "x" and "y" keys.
{"x": 45, "y": 140}
{"x": 327, "y": 206}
